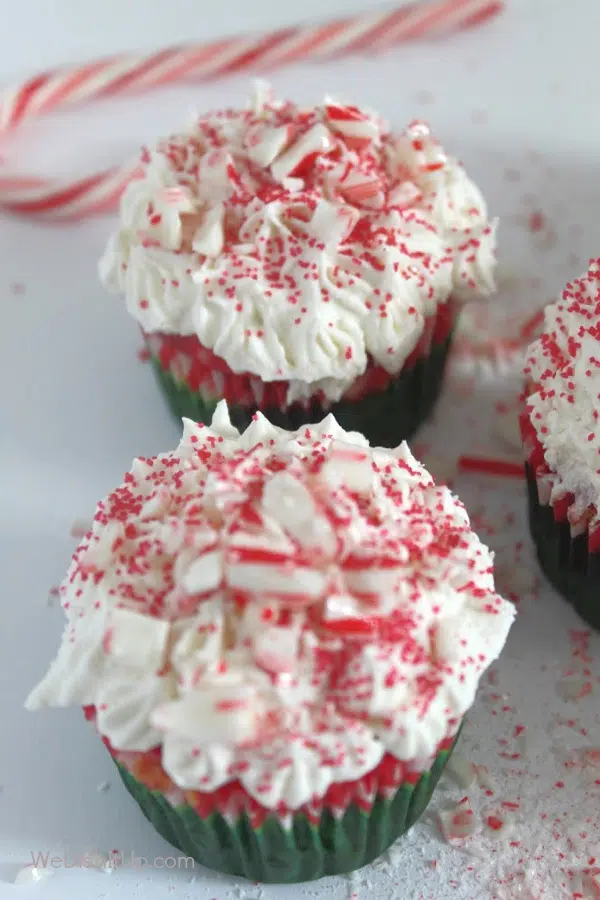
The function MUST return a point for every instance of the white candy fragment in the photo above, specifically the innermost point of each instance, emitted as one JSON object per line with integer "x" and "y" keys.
{"x": 497, "y": 823}
{"x": 262, "y": 95}
{"x": 461, "y": 770}
{"x": 136, "y": 639}
{"x": 348, "y": 467}
{"x": 288, "y": 502}
{"x": 592, "y": 758}
{"x": 264, "y": 144}
{"x": 361, "y": 190}
{"x": 574, "y": 688}
{"x": 275, "y": 649}
{"x": 227, "y": 714}
{"x": 210, "y": 236}
{"x": 484, "y": 779}
{"x": 340, "y": 606}
{"x": 458, "y": 823}
{"x": 204, "y": 574}
{"x": 316, "y": 140}
{"x": 31, "y": 874}
{"x": 591, "y": 886}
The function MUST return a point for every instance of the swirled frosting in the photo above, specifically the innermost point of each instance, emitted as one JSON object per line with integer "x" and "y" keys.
{"x": 563, "y": 368}
{"x": 278, "y": 607}
{"x": 294, "y": 243}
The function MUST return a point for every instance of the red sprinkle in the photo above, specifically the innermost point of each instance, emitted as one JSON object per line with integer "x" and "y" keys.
{"x": 537, "y": 221}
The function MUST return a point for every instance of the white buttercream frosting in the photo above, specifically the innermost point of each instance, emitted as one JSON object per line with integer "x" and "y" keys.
{"x": 295, "y": 243}
{"x": 281, "y": 607}
{"x": 563, "y": 369}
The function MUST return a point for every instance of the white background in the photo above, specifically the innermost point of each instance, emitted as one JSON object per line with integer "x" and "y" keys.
{"x": 518, "y": 102}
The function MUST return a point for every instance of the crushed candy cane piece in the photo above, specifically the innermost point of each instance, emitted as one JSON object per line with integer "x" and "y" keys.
{"x": 592, "y": 757}
{"x": 484, "y": 779}
{"x": 497, "y": 823}
{"x": 574, "y": 688}
{"x": 461, "y": 770}
{"x": 591, "y": 885}
{"x": 458, "y": 823}
{"x": 31, "y": 874}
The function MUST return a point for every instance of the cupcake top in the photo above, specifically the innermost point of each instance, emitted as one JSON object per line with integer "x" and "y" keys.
{"x": 296, "y": 242}
{"x": 282, "y": 608}
{"x": 563, "y": 368}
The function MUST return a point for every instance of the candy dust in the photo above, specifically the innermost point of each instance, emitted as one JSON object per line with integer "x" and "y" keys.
{"x": 528, "y": 767}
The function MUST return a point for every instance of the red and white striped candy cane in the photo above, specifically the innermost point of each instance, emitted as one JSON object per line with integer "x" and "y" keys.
{"x": 122, "y": 75}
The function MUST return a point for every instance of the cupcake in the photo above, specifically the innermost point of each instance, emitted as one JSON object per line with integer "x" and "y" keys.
{"x": 277, "y": 636}
{"x": 561, "y": 437}
{"x": 299, "y": 262}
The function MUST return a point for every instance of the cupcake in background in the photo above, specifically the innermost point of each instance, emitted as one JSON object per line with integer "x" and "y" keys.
{"x": 277, "y": 636}
{"x": 299, "y": 262}
{"x": 561, "y": 437}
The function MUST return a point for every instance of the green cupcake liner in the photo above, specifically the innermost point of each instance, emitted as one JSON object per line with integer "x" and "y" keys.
{"x": 385, "y": 418}
{"x": 293, "y": 852}
{"x": 565, "y": 560}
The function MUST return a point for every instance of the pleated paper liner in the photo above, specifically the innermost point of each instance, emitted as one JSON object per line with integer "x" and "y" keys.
{"x": 566, "y": 559}
{"x": 385, "y": 409}
{"x": 229, "y": 831}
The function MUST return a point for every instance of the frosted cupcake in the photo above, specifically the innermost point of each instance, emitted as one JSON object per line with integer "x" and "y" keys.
{"x": 277, "y": 636}
{"x": 561, "y": 437}
{"x": 299, "y": 262}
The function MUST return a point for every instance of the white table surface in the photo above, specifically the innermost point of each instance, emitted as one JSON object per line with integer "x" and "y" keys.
{"x": 518, "y": 101}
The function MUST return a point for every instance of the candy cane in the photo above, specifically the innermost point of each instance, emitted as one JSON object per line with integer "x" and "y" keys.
{"x": 123, "y": 75}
